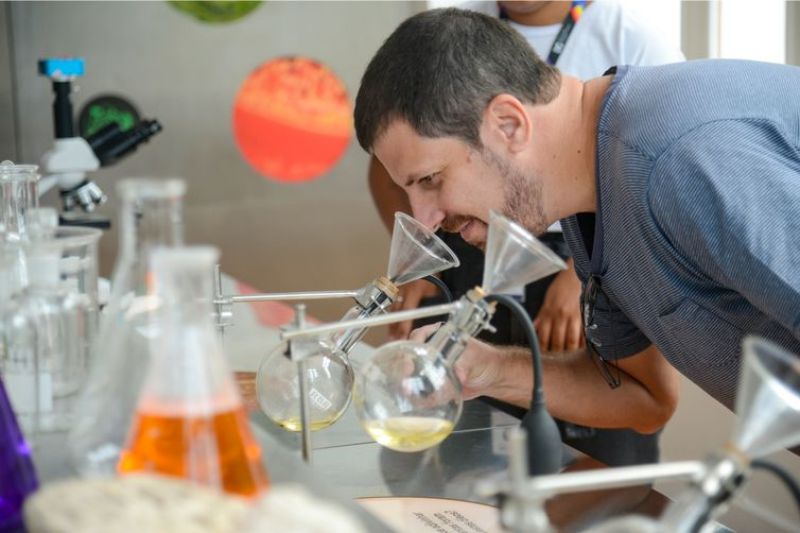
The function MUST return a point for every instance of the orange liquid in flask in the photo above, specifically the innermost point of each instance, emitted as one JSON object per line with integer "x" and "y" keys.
{"x": 217, "y": 450}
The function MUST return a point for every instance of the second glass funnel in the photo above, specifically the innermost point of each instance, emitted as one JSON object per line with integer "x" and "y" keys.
{"x": 415, "y": 252}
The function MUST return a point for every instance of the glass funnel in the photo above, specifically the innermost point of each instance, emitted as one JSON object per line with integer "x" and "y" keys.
{"x": 16, "y": 467}
{"x": 415, "y": 252}
{"x": 514, "y": 257}
{"x": 190, "y": 421}
{"x": 407, "y": 395}
{"x": 151, "y": 216}
{"x": 768, "y": 399}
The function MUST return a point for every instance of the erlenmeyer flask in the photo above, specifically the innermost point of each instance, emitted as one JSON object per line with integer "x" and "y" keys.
{"x": 190, "y": 421}
{"x": 16, "y": 468}
{"x": 151, "y": 216}
{"x": 415, "y": 252}
{"x": 407, "y": 395}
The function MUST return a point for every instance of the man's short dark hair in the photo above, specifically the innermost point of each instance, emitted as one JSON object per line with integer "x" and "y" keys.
{"x": 440, "y": 69}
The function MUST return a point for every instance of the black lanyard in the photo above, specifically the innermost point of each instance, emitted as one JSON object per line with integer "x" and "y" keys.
{"x": 574, "y": 14}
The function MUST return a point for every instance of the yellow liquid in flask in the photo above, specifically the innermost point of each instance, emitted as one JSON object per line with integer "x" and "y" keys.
{"x": 216, "y": 450}
{"x": 293, "y": 424}
{"x": 409, "y": 433}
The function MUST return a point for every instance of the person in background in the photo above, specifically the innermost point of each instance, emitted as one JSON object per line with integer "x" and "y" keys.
{"x": 582, "y": 39}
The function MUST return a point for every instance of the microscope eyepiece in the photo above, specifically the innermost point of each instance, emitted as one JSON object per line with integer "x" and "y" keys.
{"x": 111, "y": 144}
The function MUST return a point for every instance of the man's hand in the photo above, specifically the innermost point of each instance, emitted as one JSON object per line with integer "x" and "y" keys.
{"x": 558, "y": 323}
{"x": 476, "y": 368}
{"x": 411, "y": 294}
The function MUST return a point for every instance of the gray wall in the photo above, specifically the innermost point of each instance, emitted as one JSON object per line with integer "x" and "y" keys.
{"x": 8, "y": 133}
{"x": 274, "y": 236}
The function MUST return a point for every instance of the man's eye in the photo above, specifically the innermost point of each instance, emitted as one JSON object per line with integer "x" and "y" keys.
{"x": 427, "y": 180}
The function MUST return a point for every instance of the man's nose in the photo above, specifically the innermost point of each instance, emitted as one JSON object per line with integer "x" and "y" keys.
{"x": 427, "y": 213}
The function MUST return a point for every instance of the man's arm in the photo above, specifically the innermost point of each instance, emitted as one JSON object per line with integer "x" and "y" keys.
{"x": 575, "y": 390}
{"x": 387, "y": 195}
{"x": 558, "y": 322}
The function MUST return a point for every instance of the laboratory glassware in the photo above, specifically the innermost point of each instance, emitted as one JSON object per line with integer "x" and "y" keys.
{"x": 415, "y": 252}
{"x": 151, "y": 216}
{"x": 44, "y": 334}
{"x": 16, "y": 467}
{"x": 18, "y": 194}
{"x": 190, "y": 421}
{"x": 407, "y": 395}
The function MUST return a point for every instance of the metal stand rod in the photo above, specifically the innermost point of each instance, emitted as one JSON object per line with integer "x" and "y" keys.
{"x": 545, "y": 486}
{"x": 388, "y": 318}
{"x": 217, "y": 295}
{"x": 305, "y": 426}
{"x": 268, "y": 297}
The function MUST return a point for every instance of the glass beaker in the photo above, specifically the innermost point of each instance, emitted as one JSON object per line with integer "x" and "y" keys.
{"x": 42, "y": 335}
{"x": 190, "y": 421}
{"x": 415, "y": 253}
{"x": 151, "y": 216}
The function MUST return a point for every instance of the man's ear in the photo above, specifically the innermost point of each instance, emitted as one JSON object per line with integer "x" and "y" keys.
{"x": 506, "y": 123}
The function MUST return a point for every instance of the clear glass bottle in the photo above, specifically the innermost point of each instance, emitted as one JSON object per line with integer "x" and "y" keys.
{"x": 43, "y": 365}
{"x": 190, "y": 421}
{"x": 151, "y": 216}
{"x": 16, "y": 468}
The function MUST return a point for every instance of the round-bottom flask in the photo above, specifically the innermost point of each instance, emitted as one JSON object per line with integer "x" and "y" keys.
{"x": 408, "y": 397}
{"x": 330, "y": 383}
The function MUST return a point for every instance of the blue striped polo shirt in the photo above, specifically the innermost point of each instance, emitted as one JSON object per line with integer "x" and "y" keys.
{"x": 696, "y": 238}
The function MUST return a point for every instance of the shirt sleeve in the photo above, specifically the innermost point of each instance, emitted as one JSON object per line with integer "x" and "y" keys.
{"x": 726, "y": 197}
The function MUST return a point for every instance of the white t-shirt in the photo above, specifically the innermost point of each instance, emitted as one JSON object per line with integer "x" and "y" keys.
{"x": 606, "y": 35}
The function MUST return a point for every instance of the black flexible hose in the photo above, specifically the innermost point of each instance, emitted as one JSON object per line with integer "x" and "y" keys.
{"x": 522, "y": 317}
{"x": 782, "y": 474}
{"x": 442, "y": 287}
{"x": 543, "y": 439}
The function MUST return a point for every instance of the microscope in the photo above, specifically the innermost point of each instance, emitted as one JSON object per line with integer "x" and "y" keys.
{"x": 72, "y": 157}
